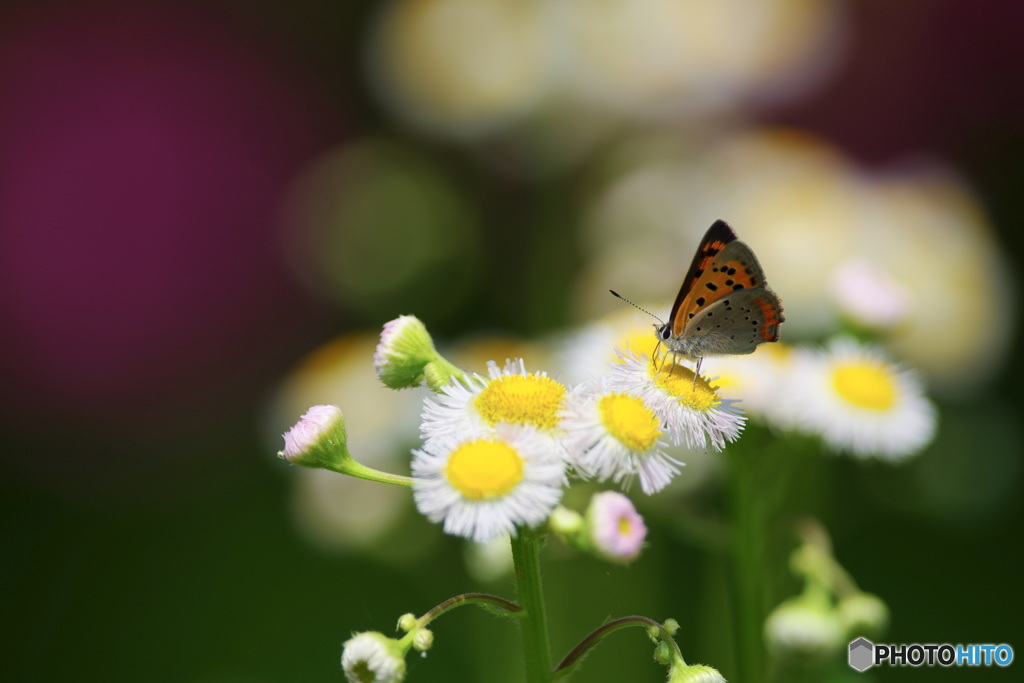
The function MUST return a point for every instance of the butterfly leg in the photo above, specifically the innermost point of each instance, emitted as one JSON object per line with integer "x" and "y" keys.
{"x": 696, "y": 372}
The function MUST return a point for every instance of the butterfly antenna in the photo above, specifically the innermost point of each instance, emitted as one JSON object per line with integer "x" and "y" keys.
{"x": 619, "y": 296}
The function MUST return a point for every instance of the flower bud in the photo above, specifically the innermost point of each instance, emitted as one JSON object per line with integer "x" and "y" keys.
{"x": 863, "y": 614}
{"x": 697, "y": 673}
{"x": 318, "y": 439}
{"x": 869, "y": 296}
{"x": 615, "y": 529}
{"x": 423, "y": 639}
{"x": 566, "y": 524}
{"x": 802, "y": 627}
{"x": 370, "y": 656}
{"x": 404, "y": 350}
{"x": 407, "y": 622}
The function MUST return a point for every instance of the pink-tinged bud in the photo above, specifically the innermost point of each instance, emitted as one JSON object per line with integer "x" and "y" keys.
{"x": 404, "y": 351}
{"x": 869, "y": 296}
{"x": 318, "y": 439}
{"x": 617, "y": 531}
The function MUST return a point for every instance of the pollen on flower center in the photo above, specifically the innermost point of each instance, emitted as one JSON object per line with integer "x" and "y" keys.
{"x": 630, "y": 421}
{"x": 522, "y": 399}
{"x": 484, "y": 470}
{"x": 866, "y": 385}
{"x": 624, "y": 526}
{"x": 699, "y": 395}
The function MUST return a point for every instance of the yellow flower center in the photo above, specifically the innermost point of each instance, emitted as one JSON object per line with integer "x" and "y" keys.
{"x": 624, "y": 525}
{"x": 484, "y": 470}
{"x": 522, "y": 399}
{"x": 865, "y": 384}
{"x": 679, "y": 382}
{"x": 630, "y": 421}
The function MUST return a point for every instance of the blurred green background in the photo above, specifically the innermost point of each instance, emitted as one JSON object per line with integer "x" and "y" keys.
{"x": 207, "y": 210}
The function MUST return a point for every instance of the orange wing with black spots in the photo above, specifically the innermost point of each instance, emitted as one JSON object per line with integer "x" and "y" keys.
{"x": 722, "y": 265}
{"x": 724, "y": 306}
{"x": 714, "y": 241}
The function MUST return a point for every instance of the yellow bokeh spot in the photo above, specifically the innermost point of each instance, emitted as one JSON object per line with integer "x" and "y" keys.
{"x": 732, "y": 382}
{"x": 484, "y": 470}
{"x": 522, "y": 399}
{"x": 639, "y": 341}
{"x": 678, "y": 380}
{"x": 629, "y": 420}
{"x": 780, "y": 352}
{"x": 865, "y": 384}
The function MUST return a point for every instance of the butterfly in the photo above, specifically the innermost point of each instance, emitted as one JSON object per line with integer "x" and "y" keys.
{"x": 724, "y": 306}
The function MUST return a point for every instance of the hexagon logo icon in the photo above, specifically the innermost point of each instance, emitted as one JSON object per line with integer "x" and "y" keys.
{"x": 862, "y": 654}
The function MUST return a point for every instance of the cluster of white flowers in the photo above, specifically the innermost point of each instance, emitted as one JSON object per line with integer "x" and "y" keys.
{"x": 848, "y": 394}
{"x": 499, "y": 450}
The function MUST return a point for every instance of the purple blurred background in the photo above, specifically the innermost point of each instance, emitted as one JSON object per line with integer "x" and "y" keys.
{"x": 154, "y": 293}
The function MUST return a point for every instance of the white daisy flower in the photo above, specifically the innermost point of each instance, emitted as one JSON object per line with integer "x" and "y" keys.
{"x": 693, "y": 411}
{"x": 370, "y": 657}
{"x": 759, "y": 381}
{"x": 861, "y": 403}
{"x": 483, "y": 486}
{"x": 616, "y": 435}
{"x": 509, "y": 395}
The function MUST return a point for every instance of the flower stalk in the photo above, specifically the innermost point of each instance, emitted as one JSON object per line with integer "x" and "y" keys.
{"x": 526, "y": 547}
{"x": 746, "y": 552}
{"x": 577, "y": 654}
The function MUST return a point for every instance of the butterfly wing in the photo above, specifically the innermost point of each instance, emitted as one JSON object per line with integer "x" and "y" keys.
{"x": 715, "y": 240}
{"x": 731, "y": 268}
{"x": 735, "y": 323}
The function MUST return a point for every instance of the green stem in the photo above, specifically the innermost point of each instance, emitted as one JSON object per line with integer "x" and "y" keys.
{"x": 354, "y": 468}
{"x": 439, "y": 372}
{"x": 526, "y": 547}
{"x": 747, "y": 571}
{"x": 575, "y": 656}
{"x": 485, "y": 600}
{"x": 762, "y": 490}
